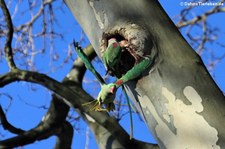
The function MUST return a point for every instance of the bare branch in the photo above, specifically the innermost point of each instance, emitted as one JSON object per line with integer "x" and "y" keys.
{"x": 65, "y": 136}
{"x": 39, "y": 133}
{"x": 199, "y": 18}
{"x": 54, "y": 118}
{"x": 200, "y": 33}
{"x": 34, "y": 17}
{"x": 6, "y": 125}
{"x": 9, "y": 36}
{"x": 42, "y": 79}
{"x": 222, "y": 9}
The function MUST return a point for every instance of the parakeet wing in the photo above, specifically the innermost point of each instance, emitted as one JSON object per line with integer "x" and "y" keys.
{"x": 112, "y": 54}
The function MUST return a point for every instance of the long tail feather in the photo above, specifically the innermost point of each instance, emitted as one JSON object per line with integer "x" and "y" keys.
{"x": 130, "y": 112}
{"x": 87, "y": 63}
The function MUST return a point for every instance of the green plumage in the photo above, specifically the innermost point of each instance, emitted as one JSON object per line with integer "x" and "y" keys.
{"x": 137, "y": 70}
{"x": 111, "y": 55}
{"x": 111, "y": 58}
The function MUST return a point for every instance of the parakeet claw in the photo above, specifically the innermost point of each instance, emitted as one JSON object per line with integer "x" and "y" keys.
{"x": 105, "y": 97}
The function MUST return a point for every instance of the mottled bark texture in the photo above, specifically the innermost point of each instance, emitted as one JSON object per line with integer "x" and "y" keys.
{"x": 180, "y": 102}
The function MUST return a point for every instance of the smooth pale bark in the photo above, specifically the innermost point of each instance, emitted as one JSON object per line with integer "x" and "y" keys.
{"x": 181, "y": 104}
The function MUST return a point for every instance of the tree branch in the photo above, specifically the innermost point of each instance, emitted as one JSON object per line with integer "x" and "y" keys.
{"x": 6, "y": 125}
{"x": 222, "y": 9}
{"x": 200, "y": 18}
{"x": 73, "y": 99}
{"x": 56, "y": 115}
{"x": 34, "y": 17}
{"x": 38, "y": 133}
{"x": 9, "y": 36}
{"x": 42, "y": 79}
{"x": 65, "y": 136}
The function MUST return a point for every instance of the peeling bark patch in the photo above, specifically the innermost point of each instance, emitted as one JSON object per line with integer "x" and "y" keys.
{"x": 192, "y": 130}
{"x": 89, "y": 118}
{"x": 45, "y": 118}
{"x": 166, "y": 117}
{"x": 162, "y": 130}
{"x": 100, "y": 16}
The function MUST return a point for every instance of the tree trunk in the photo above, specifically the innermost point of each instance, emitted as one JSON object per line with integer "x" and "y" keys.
{"x": 181, "y": 104}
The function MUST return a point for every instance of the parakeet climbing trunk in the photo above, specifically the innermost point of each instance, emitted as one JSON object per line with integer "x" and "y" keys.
{"x": 180, "y": 102}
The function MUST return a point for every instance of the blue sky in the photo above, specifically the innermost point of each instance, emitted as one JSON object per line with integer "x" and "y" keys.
{"x": 28, "y": 99}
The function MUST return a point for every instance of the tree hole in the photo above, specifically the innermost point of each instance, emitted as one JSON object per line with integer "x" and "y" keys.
{"x": 127, "y": 61}
{"x": 118, "y": 37}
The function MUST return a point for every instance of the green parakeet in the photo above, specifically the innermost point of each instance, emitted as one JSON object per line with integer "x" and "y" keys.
{"x": 111, "y": 59}
{"x": 111, "y": 56}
